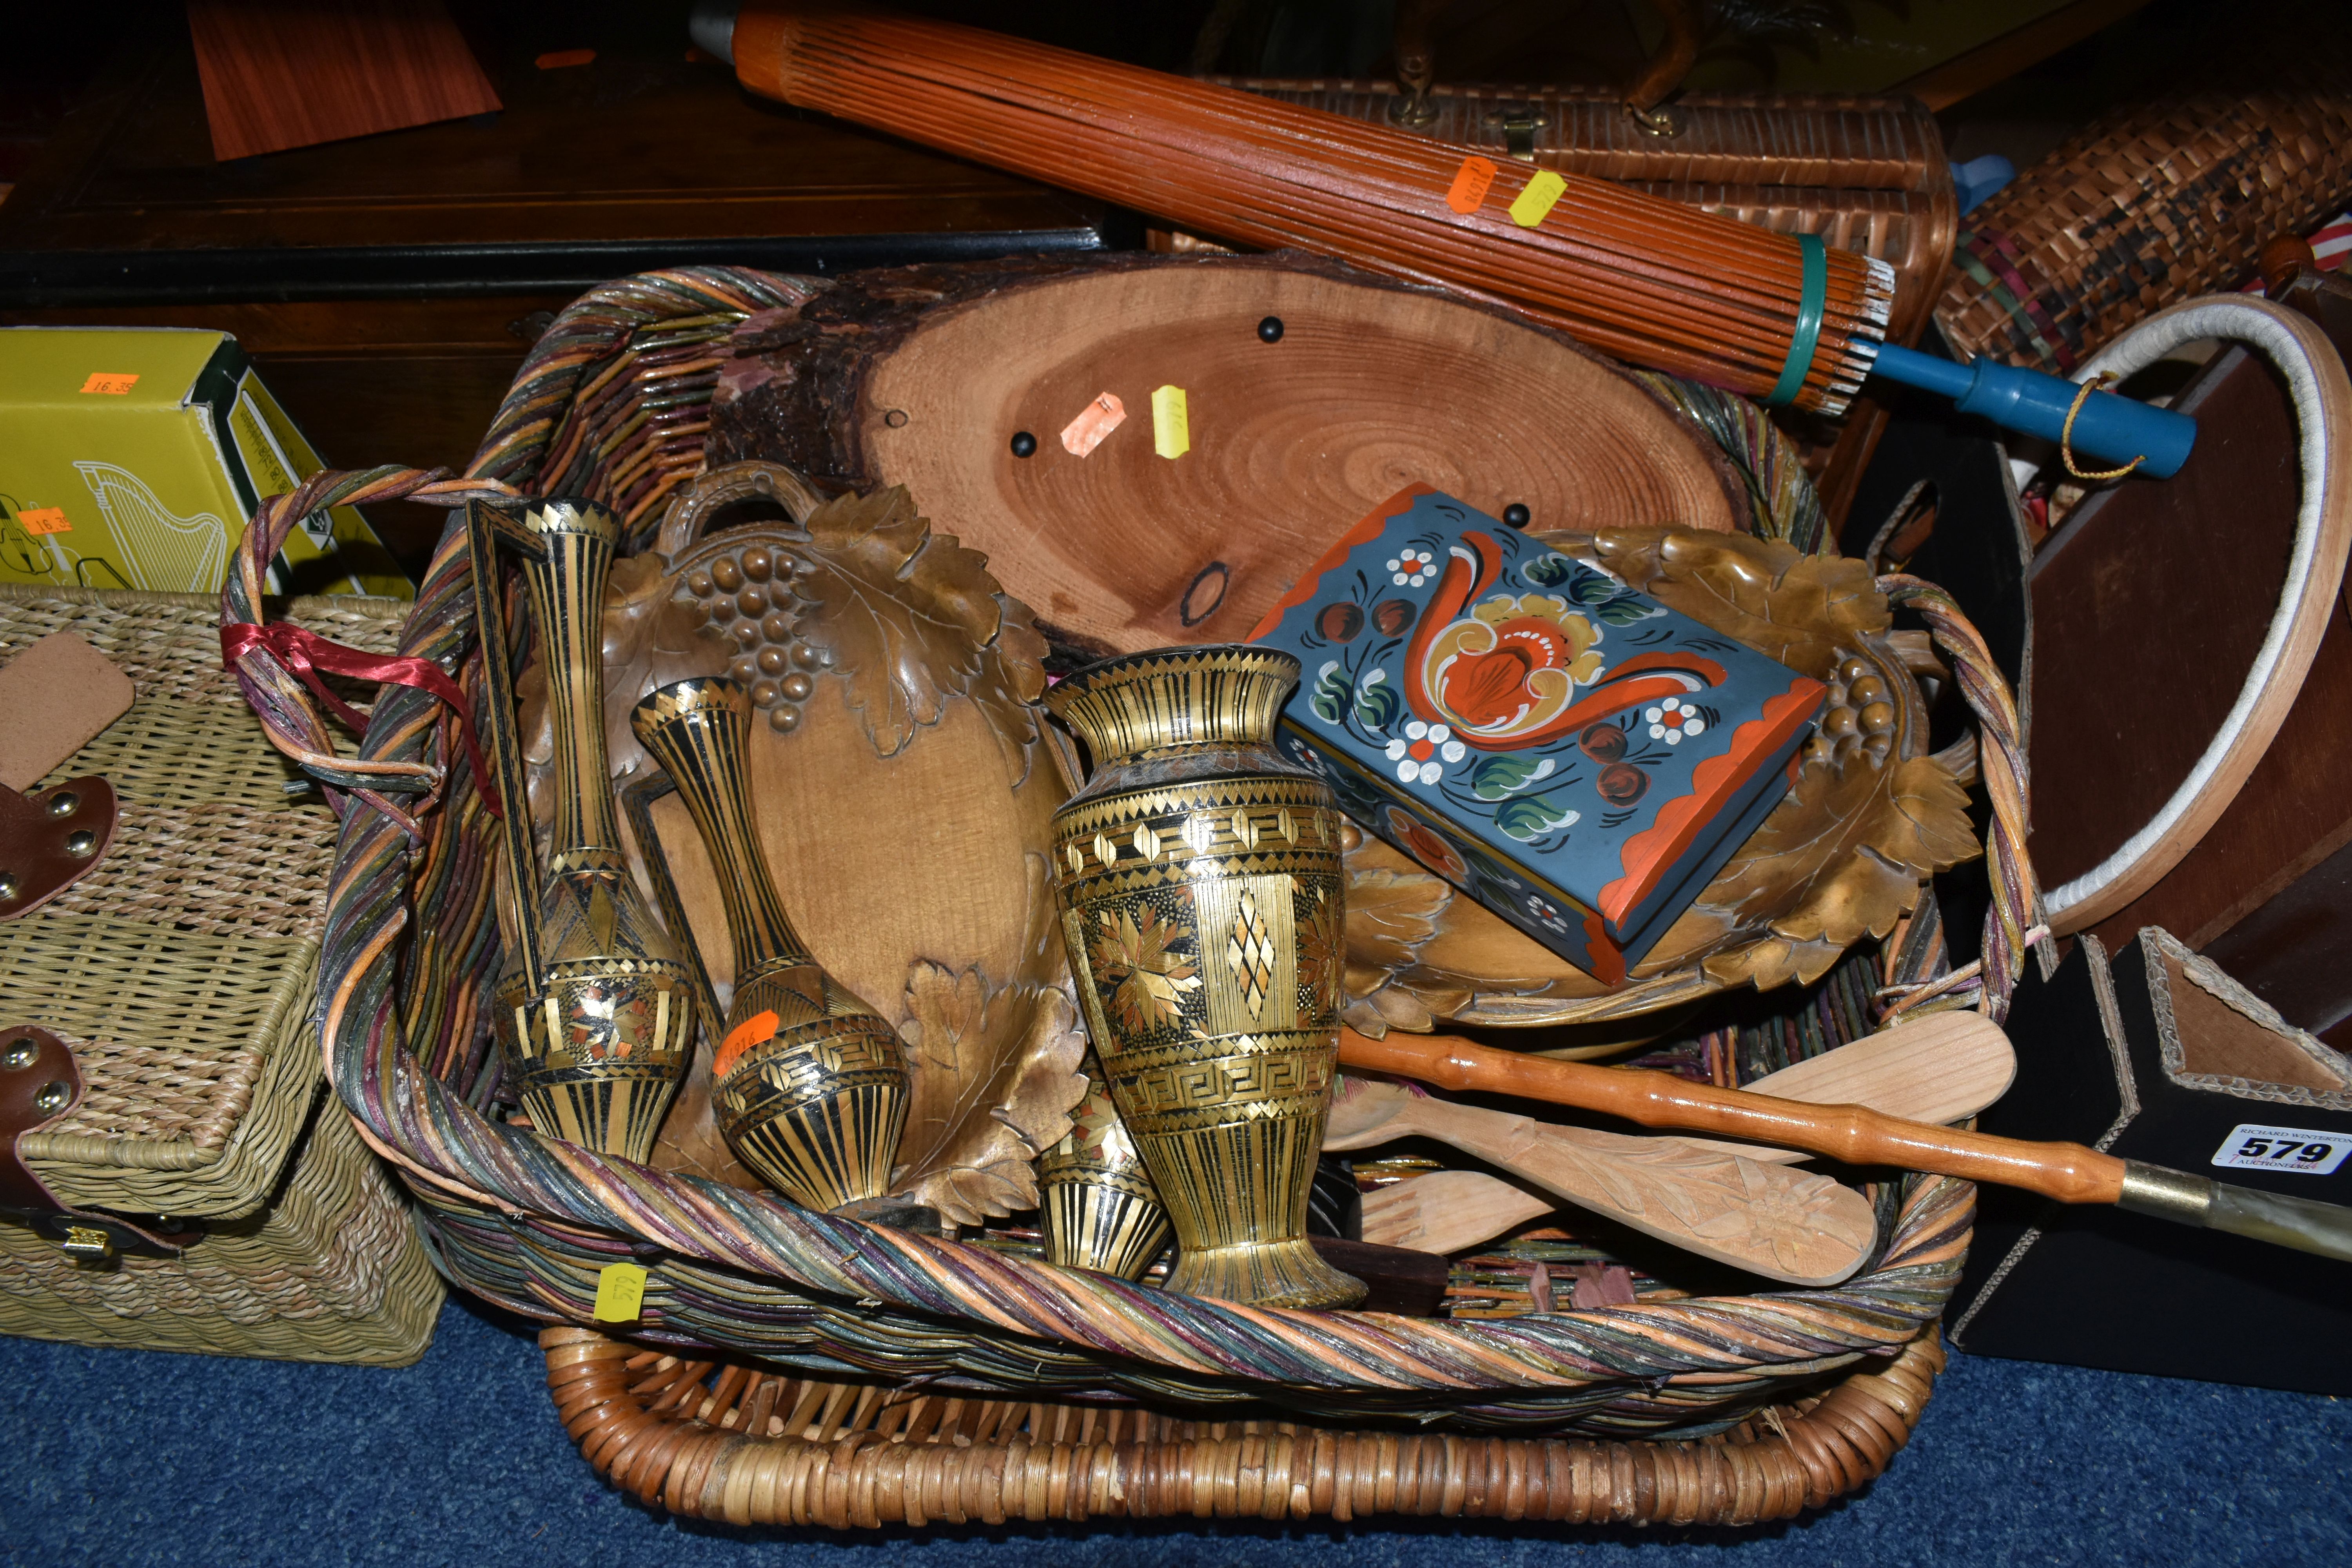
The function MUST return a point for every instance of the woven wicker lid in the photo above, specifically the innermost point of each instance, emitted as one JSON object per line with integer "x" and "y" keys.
{"x": 182, "y": 970}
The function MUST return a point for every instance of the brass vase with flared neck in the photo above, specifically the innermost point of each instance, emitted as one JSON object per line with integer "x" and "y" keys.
{"x": 600, "y": 1036}
{"x": 809, "y": 1084}
{"x": 1199, "y": 875}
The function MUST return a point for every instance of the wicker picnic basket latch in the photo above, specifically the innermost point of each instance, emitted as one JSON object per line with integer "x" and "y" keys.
{"x": 40, "y": 1084}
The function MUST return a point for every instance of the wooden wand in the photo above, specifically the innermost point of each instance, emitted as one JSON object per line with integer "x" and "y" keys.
{"x": 1859, "y": 1136}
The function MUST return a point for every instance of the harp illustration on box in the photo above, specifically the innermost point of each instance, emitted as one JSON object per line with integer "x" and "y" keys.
{"x": 161, "y": 550}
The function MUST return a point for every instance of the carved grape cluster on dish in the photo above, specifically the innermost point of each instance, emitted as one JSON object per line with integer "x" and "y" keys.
{"x": 748, "y": 600}
{"x": 1859, "y": 716}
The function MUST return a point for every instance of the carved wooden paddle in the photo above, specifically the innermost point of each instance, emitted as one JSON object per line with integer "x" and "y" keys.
{"x": 1790, "y": 1225}
{"x": 1943, "y": 1068}
{"x": 1940, "y": 1069}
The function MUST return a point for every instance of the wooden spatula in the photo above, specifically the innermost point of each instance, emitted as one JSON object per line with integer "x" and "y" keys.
{"x": 1785, "y": 1225}
{"x": 2070, "y": 1172}
{"x": 1446, "y": 1211}
{"x": 1941, "y": 1067}
{"x": 1938, "y": 1069}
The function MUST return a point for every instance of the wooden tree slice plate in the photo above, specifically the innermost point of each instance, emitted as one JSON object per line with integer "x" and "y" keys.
{"x": 925, "y": 376}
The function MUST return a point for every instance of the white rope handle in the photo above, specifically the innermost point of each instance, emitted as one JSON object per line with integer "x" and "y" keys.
{"x": 2322, "y": 395}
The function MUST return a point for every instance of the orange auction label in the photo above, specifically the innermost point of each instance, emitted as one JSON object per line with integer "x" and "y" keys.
{"x": 1095, "y": 421}
{"x": 756, "y": 1030}
{"x": 116, "y": 382}
{"x": 45, "y": 520}
{"x": 1470, "y": 183}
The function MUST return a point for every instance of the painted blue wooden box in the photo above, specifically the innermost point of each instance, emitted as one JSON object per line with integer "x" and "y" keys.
{"x": 1575, "y": 756}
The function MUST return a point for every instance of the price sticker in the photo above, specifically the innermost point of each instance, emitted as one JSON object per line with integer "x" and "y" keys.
{"x": 1172, "y": 422}
{"x": 756, "y": 1030}
{"x": 45, "y": 520}
{"x": 620, "y": 1293}
{"x": 2296, "y": 1149}
{"x": 1095, "y": 421}
{"x": 114, "y": 385}
{"x": 1543, "y": 193}
{"x": 1471, "y": 182}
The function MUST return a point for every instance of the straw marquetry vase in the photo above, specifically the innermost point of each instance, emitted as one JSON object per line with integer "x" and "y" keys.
{"x": 1095, "y": 1202}
{"x": 809, "y": 1084}
{"x": 1201, "y": 890}
{"x": 598, "y": 1036}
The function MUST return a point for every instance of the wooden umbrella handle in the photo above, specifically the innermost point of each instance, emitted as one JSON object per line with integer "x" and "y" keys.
{"x": 2067, "y": 1171}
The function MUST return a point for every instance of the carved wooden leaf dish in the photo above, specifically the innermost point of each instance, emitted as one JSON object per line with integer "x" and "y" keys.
{"x": 903, "y": 795}
{"x": 1871, "y": 815}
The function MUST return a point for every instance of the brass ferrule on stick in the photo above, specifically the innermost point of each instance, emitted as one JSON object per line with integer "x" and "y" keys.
{"x": 2167, "y": 1195}
{"x": 2067, "y": 1171}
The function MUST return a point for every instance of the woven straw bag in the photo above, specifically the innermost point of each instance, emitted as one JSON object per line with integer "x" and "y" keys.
{"x": 2149, "y": 206}
{"x": 792, "y": 1367}
{"x": 182, "y": 972}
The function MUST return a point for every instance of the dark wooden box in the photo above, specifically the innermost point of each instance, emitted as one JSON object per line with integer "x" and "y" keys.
{"x": 2160, "y": 1057}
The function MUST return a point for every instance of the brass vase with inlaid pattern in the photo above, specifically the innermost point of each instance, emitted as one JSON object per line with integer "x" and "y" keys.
{"x": 599, "y": 1031}
{"x": 1095, "y": 1197}
{"x": 809, "y": 1084}
{"x": 1200, "y": 890}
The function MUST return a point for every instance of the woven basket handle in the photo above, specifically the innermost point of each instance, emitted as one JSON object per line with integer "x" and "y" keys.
{"x": 2015, "y": 920}
{"x": 280, "y": 667}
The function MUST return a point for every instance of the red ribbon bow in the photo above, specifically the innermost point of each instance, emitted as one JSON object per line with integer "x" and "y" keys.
{"x": 307, "y": 654}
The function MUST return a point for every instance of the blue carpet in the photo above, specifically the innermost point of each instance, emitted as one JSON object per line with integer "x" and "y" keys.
{"x": 128, "y": 1458}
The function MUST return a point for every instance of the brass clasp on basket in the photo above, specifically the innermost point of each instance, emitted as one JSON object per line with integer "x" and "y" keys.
{"x": 87, "y": 1244}
{"x": 39, "y": 1083}
{"x": 1518, "y": 126}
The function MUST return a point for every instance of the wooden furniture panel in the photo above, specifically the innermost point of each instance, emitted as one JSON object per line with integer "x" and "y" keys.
{"x": 2147, "y": 607}
{"x": 640, "y": 158}
{"x": 379, "y": 65}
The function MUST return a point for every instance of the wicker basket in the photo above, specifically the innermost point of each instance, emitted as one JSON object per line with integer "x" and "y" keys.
{"x": 183, "y": 973}
{"x": 2150, "y": 206}
{"x": 781, "y": 1353}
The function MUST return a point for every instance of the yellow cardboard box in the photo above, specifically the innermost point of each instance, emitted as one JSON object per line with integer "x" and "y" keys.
{"x": 134, "y": 457}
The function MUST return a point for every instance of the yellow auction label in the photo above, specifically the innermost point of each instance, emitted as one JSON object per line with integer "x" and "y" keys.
{"x": 620, "y": 1293}
{"x": 1535, "y": 203}
{"x": 1171, "y": 423}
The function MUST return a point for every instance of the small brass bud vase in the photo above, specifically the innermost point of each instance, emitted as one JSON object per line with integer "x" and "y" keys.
{"x": 1201, "y": 890}
{"x": 599, "y": 1031}
{"x": 809, "y": 1084}
{"x": 1096, "y": 1199}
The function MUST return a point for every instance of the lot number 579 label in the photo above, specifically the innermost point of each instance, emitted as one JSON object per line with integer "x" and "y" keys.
{"x": 2283, "y": 1149}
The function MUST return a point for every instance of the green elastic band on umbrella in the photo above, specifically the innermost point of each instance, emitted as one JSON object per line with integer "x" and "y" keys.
{"x": 1811, "y": 300}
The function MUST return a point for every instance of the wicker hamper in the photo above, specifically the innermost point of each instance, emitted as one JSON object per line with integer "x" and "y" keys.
{"x": 790, "y": 1366}
{"x": 182, "y": 972}
{"x": 2156, "y": 202}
